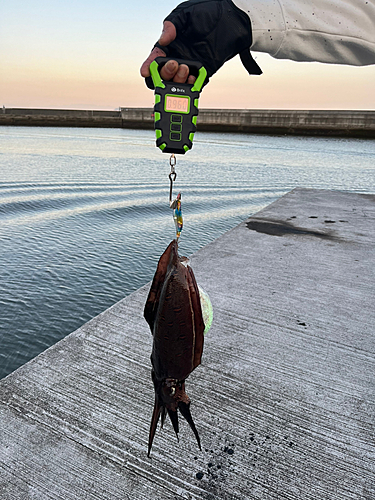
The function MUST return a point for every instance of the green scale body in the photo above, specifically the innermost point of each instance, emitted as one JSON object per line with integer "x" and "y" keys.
{"x": 176, "y": 107}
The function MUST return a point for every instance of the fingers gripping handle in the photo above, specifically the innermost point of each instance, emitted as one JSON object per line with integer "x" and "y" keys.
{"x": 195, "y": 68}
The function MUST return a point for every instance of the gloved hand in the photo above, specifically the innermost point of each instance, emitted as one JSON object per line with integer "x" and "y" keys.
{"x": 209, "y": 31}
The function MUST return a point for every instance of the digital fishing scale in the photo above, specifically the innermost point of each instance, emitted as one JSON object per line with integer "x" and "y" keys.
{"x": 175, "y": 114}
{"x": 176, "y": 107}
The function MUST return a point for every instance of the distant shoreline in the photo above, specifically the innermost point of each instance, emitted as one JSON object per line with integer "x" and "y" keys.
{"x": 254, "y": 121}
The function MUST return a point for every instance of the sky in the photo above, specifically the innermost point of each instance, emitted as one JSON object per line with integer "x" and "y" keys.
{"x": 87, "y": 54}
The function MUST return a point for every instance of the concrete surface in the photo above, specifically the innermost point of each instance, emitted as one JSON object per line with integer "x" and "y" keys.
{"x": 284, "y": 400}
{"x": 262, "y": 121}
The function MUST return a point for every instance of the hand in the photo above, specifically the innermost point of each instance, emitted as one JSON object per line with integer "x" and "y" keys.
{"x": 171, "y": 70}
{"x": 209, "y": 32}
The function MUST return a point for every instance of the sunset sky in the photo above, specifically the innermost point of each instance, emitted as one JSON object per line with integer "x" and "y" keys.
{"x": 86, "y": 55}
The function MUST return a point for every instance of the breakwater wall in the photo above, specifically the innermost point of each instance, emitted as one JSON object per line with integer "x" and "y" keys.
{"x": 262, "y": 121}
{"x": 59, "y": 117}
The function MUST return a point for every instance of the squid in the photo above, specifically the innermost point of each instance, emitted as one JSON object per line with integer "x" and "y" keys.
{"x": 175, "y": 315}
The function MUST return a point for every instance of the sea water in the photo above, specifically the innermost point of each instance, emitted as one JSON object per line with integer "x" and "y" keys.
{"x": 84, "y": 213}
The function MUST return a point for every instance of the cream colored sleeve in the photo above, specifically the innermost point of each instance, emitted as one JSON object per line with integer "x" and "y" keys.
{"x": 328, "y": 31}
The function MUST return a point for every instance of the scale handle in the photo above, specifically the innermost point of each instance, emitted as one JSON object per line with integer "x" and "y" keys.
{"x": 196, "y": 69}
{"x": 194, "y": 66}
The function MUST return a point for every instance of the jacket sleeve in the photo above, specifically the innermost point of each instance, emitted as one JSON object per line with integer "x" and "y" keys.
{"x": 328, "y": 31}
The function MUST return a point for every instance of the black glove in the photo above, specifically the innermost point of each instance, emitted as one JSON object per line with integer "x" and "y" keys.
{"x": 211, "y": 32}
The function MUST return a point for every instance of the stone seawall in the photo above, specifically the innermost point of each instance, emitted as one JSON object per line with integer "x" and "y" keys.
{"x": 300, "y": 122}
{"x": 59, "y": 117}
{"x": 262, "y": 121}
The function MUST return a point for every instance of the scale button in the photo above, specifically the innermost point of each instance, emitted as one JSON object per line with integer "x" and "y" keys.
{"x": 174, "y": 136}
{"x": 176, "y": 127}
{"x": 176, "y": 118}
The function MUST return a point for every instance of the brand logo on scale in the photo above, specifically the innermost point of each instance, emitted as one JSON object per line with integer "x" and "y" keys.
{"x": 174, "y": 89}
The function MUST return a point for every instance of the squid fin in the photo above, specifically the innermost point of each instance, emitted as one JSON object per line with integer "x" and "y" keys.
{"x": 152, "y": 303}
{"x": 185, "y": 410}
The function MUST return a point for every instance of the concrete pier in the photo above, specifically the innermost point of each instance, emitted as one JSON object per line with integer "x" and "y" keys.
{"x": 284, "y": 400}
{"x": 260, "y": 121}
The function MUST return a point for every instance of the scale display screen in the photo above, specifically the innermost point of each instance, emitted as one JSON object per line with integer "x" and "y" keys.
{"x": 179, "y": 104}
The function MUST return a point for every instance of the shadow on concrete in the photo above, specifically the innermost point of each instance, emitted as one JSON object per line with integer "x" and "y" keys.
{"x": 276, "y": 227}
